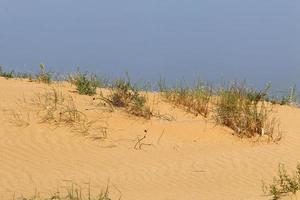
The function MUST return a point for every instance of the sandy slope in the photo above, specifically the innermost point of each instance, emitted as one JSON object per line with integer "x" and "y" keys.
{"x": 189, "y": 158}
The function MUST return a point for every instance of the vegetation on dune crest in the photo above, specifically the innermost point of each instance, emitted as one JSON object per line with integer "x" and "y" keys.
{"x": 244, "y": 110}
{"x": 43, "y": 76}
{"x": 6, "y": 75}
{"x": 57, "y": 109}
{"x": 124, "y": 94}
{"x": 194, "y": 99}
{"x": 283, "y": 184}
{"x": 288, "y": 99}
{"x": 85, "y": 84}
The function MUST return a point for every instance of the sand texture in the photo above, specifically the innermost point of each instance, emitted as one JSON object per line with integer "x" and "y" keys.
{"x": 186, "y": 158}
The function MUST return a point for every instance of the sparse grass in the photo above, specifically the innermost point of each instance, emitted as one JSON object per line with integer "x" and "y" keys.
{"x": 85, "y": 84}
{"x": 244, "y": 110}
{"x": 72, "y": 192}
{"x": 127, "y": 96}
{"x": 283, "y": 184}
{"x": 59, "y": 110}
{"x": 56, "y": 108}
{"x": 43, "y": 76}
{"x": 287, "y": 99}
{"x": 193, "y": 99}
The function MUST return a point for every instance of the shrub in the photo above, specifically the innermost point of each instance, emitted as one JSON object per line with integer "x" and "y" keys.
{"x": 85, "y": 84}
{"x": 125, "y": 95}
{"x": 244, "y": 110}
{"x": 194, "y": 99}
{"x": 283, "y": 184}
{"x": 43, "y": 76}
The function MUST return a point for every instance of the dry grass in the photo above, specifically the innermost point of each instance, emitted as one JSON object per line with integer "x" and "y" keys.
{"x": 244, "y": 110}
{"x": 193, "y": 99}
{"x": 43, "y": 76}
{"x": 59, "y": 110}
{"x": 71, "y": 192}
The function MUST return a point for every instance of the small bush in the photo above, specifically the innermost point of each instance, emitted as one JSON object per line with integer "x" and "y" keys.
{"x": 194, "y": 99}
{"x": 125, "y": 95}
{"x": 43, "y": 76}
{"x": 283, "y": 184}
{"x": 244, "y": 110}
{"x": 85, "y": 84}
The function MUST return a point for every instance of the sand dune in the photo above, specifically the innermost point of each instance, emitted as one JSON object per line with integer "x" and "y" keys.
{"x": 189, "y": 158}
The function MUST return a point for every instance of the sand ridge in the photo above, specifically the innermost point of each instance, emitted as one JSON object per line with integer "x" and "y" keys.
{"x": 189, "y": 158}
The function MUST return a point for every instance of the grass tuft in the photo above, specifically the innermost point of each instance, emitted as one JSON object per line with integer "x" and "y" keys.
{"x": 244, "y": 110}
{"x": 125, "y": 95}
{"x": 72, "y": 192}
{"x": 43, "y": 76}
{"x": 194, "y": 99}
{"x": 56, "y": 108}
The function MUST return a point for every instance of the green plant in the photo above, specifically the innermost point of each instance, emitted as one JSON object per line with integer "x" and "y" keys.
{"x": 43, "y": 76}
{"x": 283, "y": 184}
{"x": 125, "y": 95}
{"x": 244, "y": 110}
{"x": 85, "y": 84}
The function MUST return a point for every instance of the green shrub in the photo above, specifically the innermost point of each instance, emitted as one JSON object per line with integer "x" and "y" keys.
{"x": 283, "y": 184}
{"x": 125, "y": 95}
{"x": 85, "y": 84}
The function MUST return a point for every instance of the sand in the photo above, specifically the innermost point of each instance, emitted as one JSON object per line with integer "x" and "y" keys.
{"x": 189, "y": 158}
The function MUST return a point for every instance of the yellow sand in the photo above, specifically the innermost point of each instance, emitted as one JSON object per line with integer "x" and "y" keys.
{"x": 189, "y": 158}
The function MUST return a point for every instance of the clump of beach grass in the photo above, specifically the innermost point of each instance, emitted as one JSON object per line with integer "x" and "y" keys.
{"x": 245, "y": 111}
{"x": 56, "y": 108}
{"x": 284, "y": 184}
{"x": 194, "y": 99}
{"x": 123, "y": 94}
{"x": 43, "y": 76}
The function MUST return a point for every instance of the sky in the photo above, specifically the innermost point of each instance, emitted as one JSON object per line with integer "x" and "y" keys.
{"x": 217, "y": 40}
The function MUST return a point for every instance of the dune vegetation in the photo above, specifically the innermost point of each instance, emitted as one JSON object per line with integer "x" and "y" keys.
{"x": 120, "y": 113}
